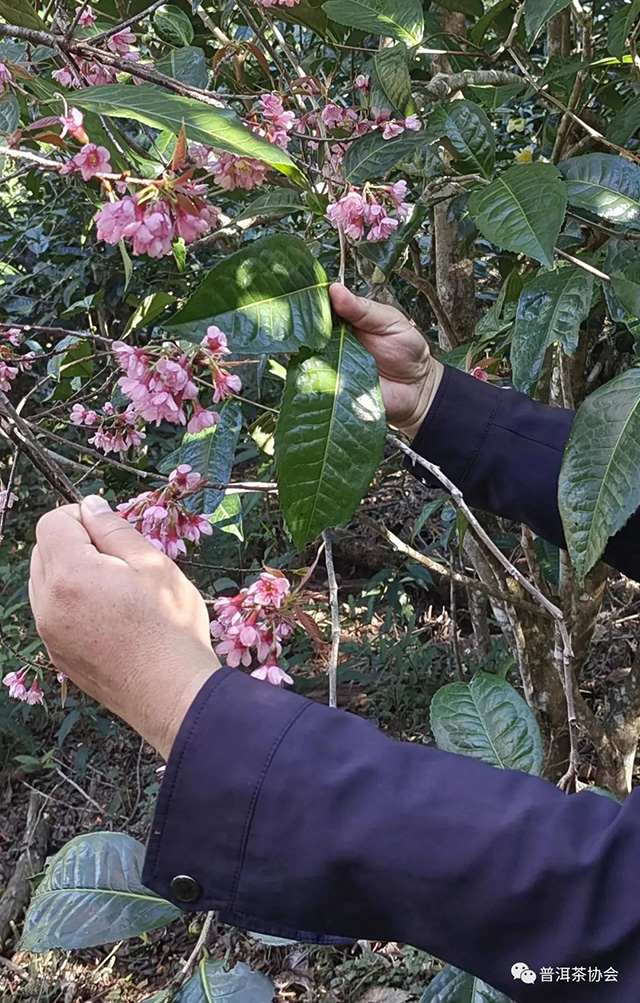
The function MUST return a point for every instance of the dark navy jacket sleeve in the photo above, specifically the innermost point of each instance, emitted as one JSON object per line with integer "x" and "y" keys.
{"x": 289, "y": 816}
{"x": 294, "y": 819}
{"x": 504, "y": 451}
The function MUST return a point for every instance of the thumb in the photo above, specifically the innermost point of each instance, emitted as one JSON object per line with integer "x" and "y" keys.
{"x": 376, "y": 318}
{"x": 112, "y": 535}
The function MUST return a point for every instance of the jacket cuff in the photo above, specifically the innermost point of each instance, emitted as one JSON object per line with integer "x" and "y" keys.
{"x": 205, "y": 807}
{"x": 462, "y": 413}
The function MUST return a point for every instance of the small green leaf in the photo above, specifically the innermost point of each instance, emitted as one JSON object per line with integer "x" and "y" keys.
{"x": 272, "y": 205}
{"x": 551, "y": 308}
{"x": 482, "y": 25}
{"x": 402, "y": 20}
{"x": 600, "y": 477}
{"x": 538, "y": 12}
{"x": 391, "y": 82}
{"x": 487, "y": 719}
{"x": 330, "y": 436}
{"x": 9, "y": 113}
{"x": 469, "y": 132}
{"x": 619, "y": 28}
{"x": 270, "y": 297}
{"x": 522, "y": 210}
{"x": 91, "y": 894}
{"x": 606, "y": 185}
{"x": 371, "y": 156}
{"x": 148, "y": 310}
{"x": 172, "y": 25}
{"x": 21, "y": 13}
{"x": 219, "y": 128}
{"x": 625, "y": 282}
{"x": 625, "y": 124}
{"x": 228, "y": 516}
{"x": 188, "y": 65}
{"x": 212, "y": 984}
{"x": 454, "y": 986}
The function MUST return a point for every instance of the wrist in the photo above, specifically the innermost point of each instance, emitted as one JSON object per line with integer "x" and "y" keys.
{"x": 427, "y": 395}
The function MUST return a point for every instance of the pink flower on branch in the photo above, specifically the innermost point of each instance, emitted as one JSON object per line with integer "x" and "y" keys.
{"x": 87, "y": 18}
{"x": 92, "y": 160}
{"x": 161, "y": 515}
{"x": 372, "y": 208}
{"x": 231, "y": 172}
{"x": 121, "y": 42}
{"x": 73, "y": 125}
{"x": 7, "y": 373}
{"x": 16, "y": 683}
{"x": 6, "y": 76}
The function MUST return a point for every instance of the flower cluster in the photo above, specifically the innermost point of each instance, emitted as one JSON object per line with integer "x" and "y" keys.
{"x": 152, "y": 223}
{"x": 89, "y": 74}
{"x": 159, "y": 380}
{"x": 116, "y": 433}
{"x": 370, "y": 208}
{"x": 90, "y": 161}
{"x": 10, "y": 363}
{"x": 6, "y": 76}
{"x": 17, "y": 684}
{"x": 252, "y": 624}
{"x": 395, "y": 127}
{"x": 162, "y": 517}
{"x": 277, "y": 3}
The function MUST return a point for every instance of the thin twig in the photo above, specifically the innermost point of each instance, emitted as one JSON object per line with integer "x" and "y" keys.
{"x": 335, "y": 619}
{"x": 192, "y": 960}
{"x": 5, "y": 508}
{"x": 17, "y": 429}
{"x": 126, "y": 24}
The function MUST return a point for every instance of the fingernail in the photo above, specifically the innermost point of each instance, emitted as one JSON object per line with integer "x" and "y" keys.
{"x": 96, "y": 505}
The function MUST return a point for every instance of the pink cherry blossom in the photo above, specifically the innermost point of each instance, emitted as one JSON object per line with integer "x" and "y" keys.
{"x": 333, "y": 116}
{"x": 192, "y": 225}
{"x": 113, "y": 219}
{"x": 161, "y": 515}
{"x": 383, "y": 228}
{"x": 6, "y": 76}
{"x": 269, "y": 590}
{"x": 92, "y": 160}
{"x": 80, "y": 415}
{"x": 392, "y": 129}
{"x": 215, "y": 341}
{"x": 87, "y": 18}
{"x": 34, "y": 694}
{"x": 65, "y": 77}
{"x": 276, "y": 3}
{"x": 363, "y": 83}
{"x": 201, "y": 419}
{"x": 231, "y": 172}
{"x": 14, "y": 335}
{"x": 272, "y": 673}
{"x": 121, "y": 42}
{"x": 273, "y": 110}
{"x": 349, "y": 212}
{"x": 7, "y": 373}
{"x": 154, "y": 233}
{"x": 16, "y": 683}
{"x": 97, "y": 73}
{"x": 225, "y": 384}
{"x": 480, "y": 374}
{"x": 413, "y": 123}
{"x": 73, "y": 124}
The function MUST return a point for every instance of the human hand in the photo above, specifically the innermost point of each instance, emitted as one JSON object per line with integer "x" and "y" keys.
{"x": 119, "y": 618}
{"x": 409, "y": 376}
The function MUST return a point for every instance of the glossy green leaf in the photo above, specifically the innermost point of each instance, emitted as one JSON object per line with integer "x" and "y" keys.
{"x": 538, "y": 12}
{"x": 148, "y": 310}
{"x": 470, "y": 134}
{"x": 371, "y": 156}
{"x": 188, "y": 65}
{"x": 219, "y": 128}
{"x": 402, "y": 19}
{"x": 551, "y": 308}
{"x": 625, "y": 123}
{"x": 619, "y": 28}
{"x": 330, "y": 436}
{"x": 495, "y": 97}
{"x": 310, "y": 14}
{"x": 92, "y": 894}
{"x": 625, "y": 282}
{"x": 9, "y": 113}
{"x": 522, "y": 210}
{"x": 228, "y": 516}
{"x": 172, "y": 25}
{"x": 600, "y": 478}
{"x": 270, "y": 297}
{"x": 22, "y": 13}
{"x": 454, "y": 986}
{"x": 272, "y": 205}
{"x": 482, "y": 25}
{"x": 391, "y": 82}
{"x": 212, "y": 984}
{"x": 623, "y": 258}
{"x": 210, "y": 453}
{"x": 606, "y": 185}
{"x": 487, "y": 719}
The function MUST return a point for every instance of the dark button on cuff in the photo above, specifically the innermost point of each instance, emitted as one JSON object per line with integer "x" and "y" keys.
{"x": 185, "y": 888}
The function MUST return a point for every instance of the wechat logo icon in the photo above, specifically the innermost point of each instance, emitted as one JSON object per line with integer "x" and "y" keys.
{"x": 522, "y": 973}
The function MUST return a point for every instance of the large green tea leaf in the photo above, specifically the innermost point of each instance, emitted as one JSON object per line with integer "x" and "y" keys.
{"x": 92, "y": 894}
{"x": 22, "y": 13}
{"x": 329, "y": 438}
{"x": 619, "y": 28}
{"x": 487, "y": 719}
{"x": 522, "y": 210}
{"x": 270, "y": 297}
{"x": 402, "y": 19}
{"x": 219, "y": 128}
{"x": 470, "y": 134}
{"x": 454, "y": 986}
{"x": 606, "y": 185}
{"x": 372, "y": 156}
{"x": 390, "y": 81}
{"x": 188, "y": 65}
{"x": 551, "y": 308}
{"x": 599, "y": 485}
{"x": 212, "y": 984}
{"x": 172, "y": 25}
{"x": 538, "y": 12}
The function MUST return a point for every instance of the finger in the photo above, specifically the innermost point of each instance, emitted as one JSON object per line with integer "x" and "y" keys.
{"x": 378, "y": 318}
{"x": 61, "y": 537}
{"x": 36, "y": 577}
{"x": 113, "y": 535}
